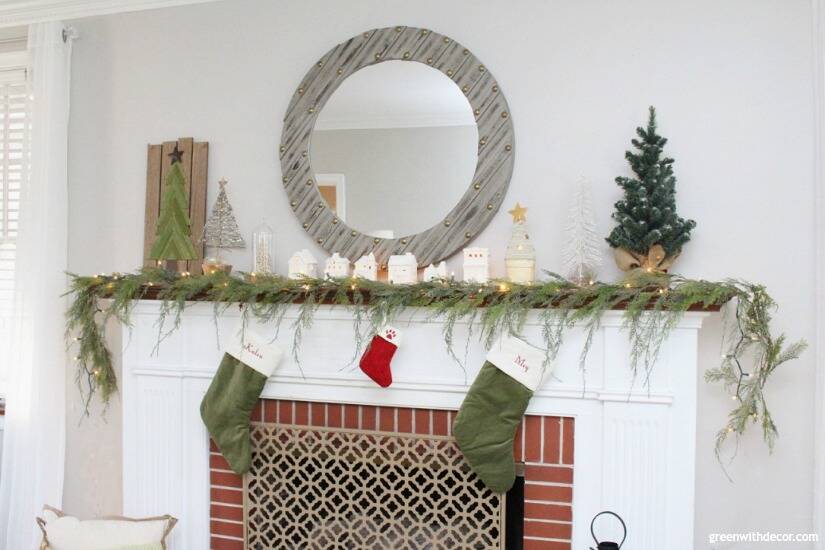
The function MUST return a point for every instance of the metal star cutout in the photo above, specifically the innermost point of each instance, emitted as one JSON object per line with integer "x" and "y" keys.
{"x": 519, "y": 213}
{"x": 176, "y": 155}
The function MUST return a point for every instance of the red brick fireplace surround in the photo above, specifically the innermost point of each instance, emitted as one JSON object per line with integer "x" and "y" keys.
{"x": 544, "y": 444}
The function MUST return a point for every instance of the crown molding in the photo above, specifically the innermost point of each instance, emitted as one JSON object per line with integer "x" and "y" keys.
{"x": 24, "y": 12}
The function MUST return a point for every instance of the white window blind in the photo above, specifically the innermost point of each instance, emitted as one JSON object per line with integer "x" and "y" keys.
{"x": 15, "y": 129}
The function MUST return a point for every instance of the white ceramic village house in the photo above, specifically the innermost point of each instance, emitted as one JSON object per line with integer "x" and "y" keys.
{"x": 302, "y": 264}
{"x": 432, "y": 272}
{"x": 476, "y": 265}
{"x": 366, "y": 267}
{"x": 336, "y": 267}
{"x": 403, "y": 269}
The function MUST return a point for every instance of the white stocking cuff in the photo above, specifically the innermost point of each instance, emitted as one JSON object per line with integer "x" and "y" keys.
{"x": 253, "y": 350}
{"x": 519, "y": 360}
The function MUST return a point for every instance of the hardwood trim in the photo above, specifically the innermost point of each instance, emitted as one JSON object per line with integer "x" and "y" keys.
{"x": 152, "y": 201}
{"x": 197, "y": 202}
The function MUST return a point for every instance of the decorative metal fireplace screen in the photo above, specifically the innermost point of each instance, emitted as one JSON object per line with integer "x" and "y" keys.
{"x": 336, "y": 488}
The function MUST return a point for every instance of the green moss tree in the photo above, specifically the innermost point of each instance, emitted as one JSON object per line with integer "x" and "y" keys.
{"x": 173, "y": 232}
{"x": 646, "y": 215}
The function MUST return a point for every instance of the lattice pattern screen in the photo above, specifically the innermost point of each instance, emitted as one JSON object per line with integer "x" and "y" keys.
{"x": 335, "y": 488}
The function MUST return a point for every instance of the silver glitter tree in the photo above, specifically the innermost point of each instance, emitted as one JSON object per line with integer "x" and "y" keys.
{"x": 221, "y": 230}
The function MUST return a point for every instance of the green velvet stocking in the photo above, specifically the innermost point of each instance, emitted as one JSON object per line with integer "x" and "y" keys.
{"x": 227, "y": 407}
{"x": 485, "y": 426}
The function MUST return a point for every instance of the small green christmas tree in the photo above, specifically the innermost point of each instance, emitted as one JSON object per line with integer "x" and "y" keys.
{"x": 647, "y": 213}
{"x": 173, "y": 232}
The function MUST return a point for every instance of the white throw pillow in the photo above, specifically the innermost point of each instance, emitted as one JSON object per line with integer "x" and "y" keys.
{"x": 62, "y": 532}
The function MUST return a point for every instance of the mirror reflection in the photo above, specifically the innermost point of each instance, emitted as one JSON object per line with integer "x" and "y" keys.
{"x": 394, "y": 149}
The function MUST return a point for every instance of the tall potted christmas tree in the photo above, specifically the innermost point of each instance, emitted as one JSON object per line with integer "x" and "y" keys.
{"x": 649, "y": 234}
{"x": 221, "y": 232}
{"x": 173, "y": 235}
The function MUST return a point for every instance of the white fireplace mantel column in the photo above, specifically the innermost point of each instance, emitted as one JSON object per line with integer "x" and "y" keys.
{"x": 634, "y": 443}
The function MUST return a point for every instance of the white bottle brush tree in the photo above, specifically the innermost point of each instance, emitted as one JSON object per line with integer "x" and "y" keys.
{"x": 581, "y": 255}
{"x": 221, "y": 229}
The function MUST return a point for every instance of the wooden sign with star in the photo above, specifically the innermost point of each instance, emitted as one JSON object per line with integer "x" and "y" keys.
{"x": 194, "y": 158}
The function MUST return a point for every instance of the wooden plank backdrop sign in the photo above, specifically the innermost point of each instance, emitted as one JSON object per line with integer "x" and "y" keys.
{"x": 195, "y": 163}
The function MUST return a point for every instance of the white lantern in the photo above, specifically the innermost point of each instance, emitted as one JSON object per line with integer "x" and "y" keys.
{"x": 403, "y": 269}
{"x": 302, "y": 264}
{"x": 476, "y": 265}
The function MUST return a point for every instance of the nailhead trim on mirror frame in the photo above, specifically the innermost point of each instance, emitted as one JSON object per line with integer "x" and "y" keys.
{"x": 496, "y": 146}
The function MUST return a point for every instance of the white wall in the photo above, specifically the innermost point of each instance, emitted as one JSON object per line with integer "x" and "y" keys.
{"x": 732, "y": 82}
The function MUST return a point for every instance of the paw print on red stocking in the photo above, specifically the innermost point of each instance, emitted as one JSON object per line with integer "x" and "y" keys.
{"x": 376, "y": 360}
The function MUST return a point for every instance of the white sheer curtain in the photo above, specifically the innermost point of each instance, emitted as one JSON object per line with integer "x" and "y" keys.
{"x": 34, "y": 438}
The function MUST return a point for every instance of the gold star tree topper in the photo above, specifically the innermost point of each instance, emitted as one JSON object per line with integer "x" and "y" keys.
{"x": 519, "y": 213}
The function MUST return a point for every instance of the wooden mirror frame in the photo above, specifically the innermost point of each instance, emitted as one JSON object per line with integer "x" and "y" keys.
{"x": 496, "y": 146}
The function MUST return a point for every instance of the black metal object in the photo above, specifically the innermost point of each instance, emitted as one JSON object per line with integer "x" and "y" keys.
{"x": 608, "y": 545}
{"x": 514, "y": 515}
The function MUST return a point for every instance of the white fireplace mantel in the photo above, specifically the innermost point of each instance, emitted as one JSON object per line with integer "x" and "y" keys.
{"x": 634, "y": 444}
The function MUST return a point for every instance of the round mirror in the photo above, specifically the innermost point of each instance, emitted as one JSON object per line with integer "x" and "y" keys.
{"x": 398, "y": 140}
{"x": 394, "y": 149}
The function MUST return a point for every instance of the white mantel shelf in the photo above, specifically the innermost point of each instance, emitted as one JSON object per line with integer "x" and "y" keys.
{"x": 634, "y": 444}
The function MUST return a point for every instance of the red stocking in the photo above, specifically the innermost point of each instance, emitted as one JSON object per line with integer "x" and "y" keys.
{"x": 376, "y": 360}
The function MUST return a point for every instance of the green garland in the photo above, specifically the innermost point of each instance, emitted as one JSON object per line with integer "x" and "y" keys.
{"x": 652, "y": 306}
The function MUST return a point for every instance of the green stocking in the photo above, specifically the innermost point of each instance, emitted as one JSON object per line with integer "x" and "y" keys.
{"x": 485, "y": 426}
{"x": 234, "y": 391}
